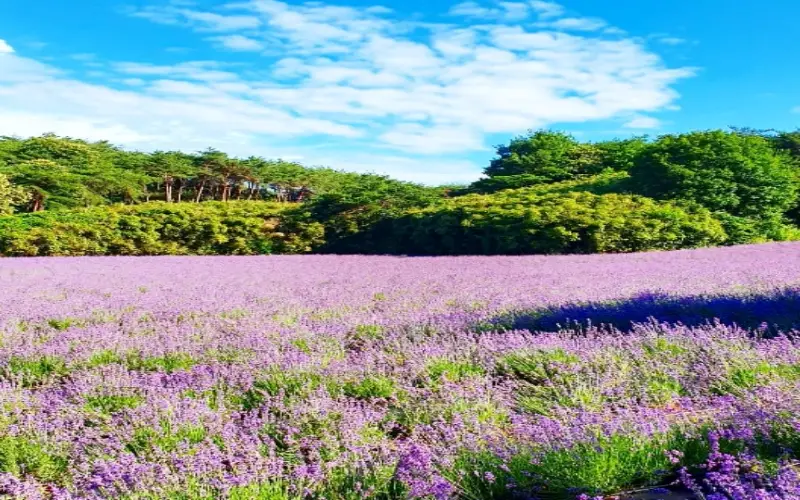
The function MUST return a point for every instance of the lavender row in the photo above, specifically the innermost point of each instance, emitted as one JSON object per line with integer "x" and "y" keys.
{"x": 356, "y": 377}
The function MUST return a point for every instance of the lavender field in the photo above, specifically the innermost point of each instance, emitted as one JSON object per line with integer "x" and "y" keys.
{"x": 291, "y": 377}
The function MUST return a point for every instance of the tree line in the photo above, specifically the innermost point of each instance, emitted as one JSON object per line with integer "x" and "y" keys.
{"x": 52, "y": 173}
{"x": 544, "y": 192}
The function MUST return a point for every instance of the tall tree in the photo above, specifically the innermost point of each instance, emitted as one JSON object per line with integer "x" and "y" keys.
{"x": 50, "y": 182}
{"x": 543, "y": 153}
{"x": 170, "y": 168}
{"x": 724, "y": 171}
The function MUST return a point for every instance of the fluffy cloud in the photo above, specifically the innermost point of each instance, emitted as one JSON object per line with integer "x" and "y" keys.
{"x": 643, "y": 122}
{"x": 438, "y": 139}
{"x": 577, "y": 24}
{"x": 509, "y": 11}
{"x": 161, "y": 113}
{"x": 5, "y": 48}
{"x": 239, "y": 42}
{"x": 547, "y": 10}
{"x": 206, "y": 21}
{"x": 353, "y": 79}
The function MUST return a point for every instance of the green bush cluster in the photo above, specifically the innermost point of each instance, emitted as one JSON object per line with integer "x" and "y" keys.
{"x": 525, "y": 222}
{"x": 240, "y": 228}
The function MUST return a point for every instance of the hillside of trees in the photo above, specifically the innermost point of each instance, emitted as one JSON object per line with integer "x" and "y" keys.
{"x": 544, "y": 192}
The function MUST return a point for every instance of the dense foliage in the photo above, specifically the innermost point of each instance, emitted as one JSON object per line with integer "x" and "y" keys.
{"x": 238, "y": 228}
{"x": 524, "y": 222}
{"x": 67, "y": 173}
{"x": 544, "y": 157}
{"x": 741, "y": 175}
{"x": 545, "y": 192}
{"x": 10, "y": 195}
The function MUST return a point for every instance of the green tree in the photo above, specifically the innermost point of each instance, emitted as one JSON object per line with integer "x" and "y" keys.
{"x": 620, "y": 155}
{"x": 170, "y": 168}
{"x": 545, "y": 154}
{"x": 52, "y": 184}
{"x": 216, "y": 174}
{"x": 544, "y": 157}
{"x": 360, "y": 202}
{"x": 739, "y": 174}
{"x": 10, "y": 196}
{"x": 72, "y": 153}
{"x": 789, "y": 142}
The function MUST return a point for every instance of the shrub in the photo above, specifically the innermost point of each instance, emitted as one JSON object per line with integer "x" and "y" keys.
{"x": 21, "y": 455}
{"x": 35, "y": 371}
{"x": 525, "y": 222}
{"x": 157, "y": 228}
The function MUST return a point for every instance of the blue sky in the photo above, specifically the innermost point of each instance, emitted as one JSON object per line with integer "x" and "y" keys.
{"x": 419, "y": 90}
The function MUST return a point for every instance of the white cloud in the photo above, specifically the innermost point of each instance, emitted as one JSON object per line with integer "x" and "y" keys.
{"x": 178, "y": 87}
{"x": 163, "y": 114}
{"x": 547, "y": 10}
{"x": 206, "y": 21}
{"x": 672, "y": 40}
{"x": 455, "y": 43}
{"x": 15, "y": 69}
{"x": 470, "y": 9}
{"x": 433, "y": 140}
{"x": 239, "y": 42}
{"x": 363, "y": 80}
{"x": 216, "y": 22}
{"x": 643, "y": 122}
{"x": 426, "y": 170}
{"x": 578, "y": 24}
{"x": 515, "y": 10}
{"x": 5, "y": 48}
{"x": 193, "y": 70}
{"x": 508, "y": 11}
{"x": 613, "y": 30}
{"x": 379, "y": 9}
{"x": 133, "y": 81}
{"x": 666, "y": 39}
{"x": 26, "y": 124}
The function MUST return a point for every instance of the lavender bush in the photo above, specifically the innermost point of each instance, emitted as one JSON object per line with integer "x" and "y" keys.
{"x": 374, "y": 377}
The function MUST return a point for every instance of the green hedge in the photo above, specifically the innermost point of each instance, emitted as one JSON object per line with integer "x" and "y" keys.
{"x": 239, "y": 228}
{"x": 525, "y": 222}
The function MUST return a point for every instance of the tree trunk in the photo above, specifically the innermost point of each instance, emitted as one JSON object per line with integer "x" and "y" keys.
{"x": 37, "y": 203}
{"x": 200, "y": 192}
{"x": 180, "y": 191}
{"x": 168, "y": 188}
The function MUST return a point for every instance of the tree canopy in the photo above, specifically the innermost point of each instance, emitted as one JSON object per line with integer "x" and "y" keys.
{"x": 545, "y": 192}
{"x": 64, "y": 173}
{"x": 545, "y": 156}
{"x": 739, "y": 174}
